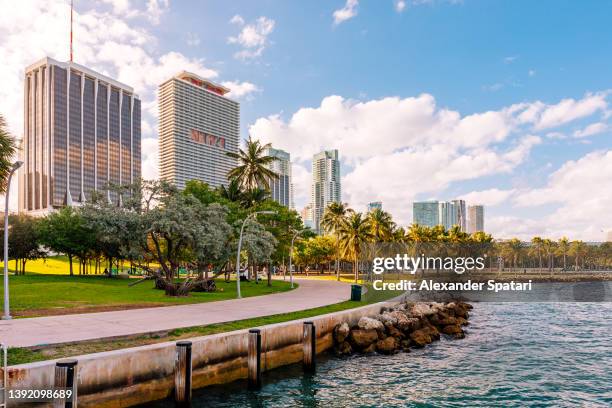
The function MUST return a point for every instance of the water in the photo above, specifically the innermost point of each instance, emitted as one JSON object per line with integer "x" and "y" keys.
{"x": 515, "y": 354}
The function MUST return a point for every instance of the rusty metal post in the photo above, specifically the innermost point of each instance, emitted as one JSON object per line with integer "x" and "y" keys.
{"x": 309, "y": 344}
{"x": 182, "y": 374}
{"x": 66, "y": 379}
{"x": 254, "y": 359}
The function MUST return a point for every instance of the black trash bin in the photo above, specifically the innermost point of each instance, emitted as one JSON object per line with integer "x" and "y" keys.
{"x": 356, "y": 293}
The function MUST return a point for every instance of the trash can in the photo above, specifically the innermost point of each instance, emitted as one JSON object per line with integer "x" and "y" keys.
{"x": 356, "y": 293}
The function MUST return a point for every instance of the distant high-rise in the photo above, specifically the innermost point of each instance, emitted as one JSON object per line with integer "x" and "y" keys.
{"x": 281, "y": 189}
{"x": 81, "y": 133}
{"x": 306, "y": 215}
{"x": 475, "y": 218}
{"x": 325, "y": 184}
{"x": 374, "y": 205}
{"x": 425, "y": 213}
{"x": 198, "y": 125}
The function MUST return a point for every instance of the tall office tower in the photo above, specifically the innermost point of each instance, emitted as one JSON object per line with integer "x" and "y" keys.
{"x": 475, "y": 218}
{"x": 281, "y": 189}
{"x": 306, "y": 215}
{"x": 81, "y": 132}
{"x": 325, "y": 184}
{"x": 374, "y": 205}
{"x": 198, "y": 125}
{"x": 459, "y": 214}
{"x": 452, "y": 213}
{"x": 425, "y": 213}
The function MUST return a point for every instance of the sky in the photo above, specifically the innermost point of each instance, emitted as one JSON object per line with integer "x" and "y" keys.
{"x": 505, "y": 104}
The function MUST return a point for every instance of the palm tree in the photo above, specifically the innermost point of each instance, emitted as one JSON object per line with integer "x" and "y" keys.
{"x": 7, "y": 150}
{"x": 333, "y": 217}
{"x": 252, "y": 170}
{"x": 578, "y": 249}
{"x": 563, "y": 247}
{"x": 549, "y": 249}
{"x": 381, "y": 225}
{"x": 232, "y": 192}
{"x": 253, "y": 196}
{"x": 353, "y": 233}
{"x": 536, "y": 248}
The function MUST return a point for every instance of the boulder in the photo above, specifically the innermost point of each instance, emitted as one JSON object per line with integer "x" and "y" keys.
{"x": 452, "y": 329}
{"x": 461, "y": 321}
{"x": 395, "y": 332}
{"x": 405, "y": 345}
{"x": 387, "y": 346}
{"x": 432, "y": 331}
{"x": 367, "y": 323}
{"x": 388, "y": 319}
{"x": 363, "y": 338}
{"x": 403, "y": 322}
{"x": 420, "y": 338}
{"x": 446, "y": 320}
{"x": 343, "y": 348}
{"x": 370, "y": 349}
{"x": 421, "y": 309}
{"x": 341, "y": 332}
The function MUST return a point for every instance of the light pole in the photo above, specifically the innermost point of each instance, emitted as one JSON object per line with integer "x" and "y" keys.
{"x": 7, "y": 314}
{"x": 240, "y": 247}
{"x": 291, "y": 257}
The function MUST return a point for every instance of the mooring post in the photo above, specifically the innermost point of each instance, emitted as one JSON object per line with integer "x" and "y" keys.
{"x": 182, "y": 374}
{"x": 309, "y": 343}
{"x": 254, "y": 359}
{"x": 65, "y": 380}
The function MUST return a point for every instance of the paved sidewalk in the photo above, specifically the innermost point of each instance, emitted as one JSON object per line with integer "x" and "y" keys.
{"x": 89, "y": 326}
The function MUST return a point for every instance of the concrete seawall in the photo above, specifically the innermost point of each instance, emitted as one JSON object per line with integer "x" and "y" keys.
{"x": 127, "y": 377}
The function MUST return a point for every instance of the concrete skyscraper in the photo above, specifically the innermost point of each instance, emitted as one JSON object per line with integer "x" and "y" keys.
{"x": 475, "y": 218}
{"x": 81, "y": 132}
{"x": 198, "y": 125}
{"x": 281, "y": 189}
{"x": 325, "y": 184}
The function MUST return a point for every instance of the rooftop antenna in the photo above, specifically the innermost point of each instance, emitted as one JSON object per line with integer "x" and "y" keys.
{"x": 71, "y": 12}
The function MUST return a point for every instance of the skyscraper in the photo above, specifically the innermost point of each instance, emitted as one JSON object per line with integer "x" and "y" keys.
{"x": 425, "y": 213}
{"x": 81, "y": 132}
{"x": 475, "y": 218}
{"x": 374, "y": 205}
{"x": 281, "y": 189}
{"x": 325, "y": 184}
{"x": 306, "y": 215}
{"x": 445, "y": 213}
{"x": 198, "y": 125}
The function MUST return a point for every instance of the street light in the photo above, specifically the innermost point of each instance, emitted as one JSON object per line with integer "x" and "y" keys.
{"x": 240, "y": 247}
{"x": 291, "y": 257}
{"x": 7, "y": 314}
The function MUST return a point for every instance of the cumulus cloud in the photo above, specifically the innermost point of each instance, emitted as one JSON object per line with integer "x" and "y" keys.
{"x": 592, "y": 129}
{"x": 239, "y": 89}
{"x": 490, "y": 197}
{"x": 400, "y": 5}
{"x": 570, "y": 109}
{"x": 253, "y": 37}
{"x": 347, "y": 12}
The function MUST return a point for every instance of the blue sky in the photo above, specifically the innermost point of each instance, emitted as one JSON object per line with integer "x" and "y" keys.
{"x": 437, "y": 72}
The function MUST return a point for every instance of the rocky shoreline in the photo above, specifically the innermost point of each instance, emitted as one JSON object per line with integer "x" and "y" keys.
{"x": 401, "y": 327}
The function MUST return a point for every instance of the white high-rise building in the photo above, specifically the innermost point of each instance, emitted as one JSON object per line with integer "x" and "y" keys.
{"x": 325, "y": 184}
{"x": 281, "y": 188}
{"x": 475, "y": 218}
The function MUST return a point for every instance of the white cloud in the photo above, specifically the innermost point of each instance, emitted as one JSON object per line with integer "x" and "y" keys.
{"x": 510, "y": 59}
{"x": 347, "y": 12}
{"x": 490, "y": 197}
{"x": 240, "y": 89}
{"x": 400, "y": 5}
{"x": 592, "y": 129}
{"x": 570, "y": 109}
{"x": 253, "y": 38}
{"x": 193, "y": 39}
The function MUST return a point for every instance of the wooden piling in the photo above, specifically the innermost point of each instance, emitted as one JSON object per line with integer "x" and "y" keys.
{"x": 182, "y": 374}
{"x": 254, "y": 359}
{"x": 66, "y": 380}
{"x": 309, "y": 344}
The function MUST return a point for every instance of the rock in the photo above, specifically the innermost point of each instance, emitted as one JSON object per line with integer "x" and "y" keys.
{"x": 341, "y": 332}
{"x": 387, "y": 346}
{"x": 432, "y": 331}
{"x": 395, "y": 332}
{"x": 367, "y": 323}
{"x": 446, "y": 320}
{"x": 370, "y": 349}
{"x": 404, "y": 323}
{"x": 388, "y": 319}
{"x": 381, "y": 334}
{"x": 405, "y": 345}
{"x": 461, "y": 321}
{"x": 363, "y": 338}
{"x": 420, "y": 338}
{"x": 452, "y": 329}
{"x": 343, "y": 348}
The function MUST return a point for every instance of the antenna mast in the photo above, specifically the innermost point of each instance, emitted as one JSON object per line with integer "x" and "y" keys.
{"x": 71, "y": 10}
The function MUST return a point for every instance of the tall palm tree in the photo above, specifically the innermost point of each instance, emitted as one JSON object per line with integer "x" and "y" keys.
{"x": 579, "y": 250}
{"x": 252, "y": 170}
{"x": 353, "y": 233}
{"x": 232, "y": 192}
{"x": 381, "y": 225}
{"x": 563, "y": 247}
{"x": 334, "y": 216}
{"x": 536, "y": 248}
{"x": 7, "y": 150}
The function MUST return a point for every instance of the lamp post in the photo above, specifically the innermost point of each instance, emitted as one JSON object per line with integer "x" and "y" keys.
{"x": 7, "y": 314}
{"x": 240, "y": 247}
{"x": 291, "y": 257}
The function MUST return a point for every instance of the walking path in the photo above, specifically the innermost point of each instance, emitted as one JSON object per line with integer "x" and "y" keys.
{"x": 89, "y": 326}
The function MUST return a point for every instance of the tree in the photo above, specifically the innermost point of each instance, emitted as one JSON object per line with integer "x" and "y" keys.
{"x": 578, "y": 250}
{"x": 536, "y": 249}
{"x": 334, "y": 216}
{"x": 252, "y": 170}
{"x": 354, "y": 232}
{"x": 24, "y": 241}
{"x": 381, "y": 225}
{"x": 65, "y": 231}
{"x": 563, "y": 247}
{"x": 7, "y": 151}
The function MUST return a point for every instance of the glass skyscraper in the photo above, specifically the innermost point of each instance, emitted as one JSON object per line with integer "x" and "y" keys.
{"x": 446, "y": 213}
{"x": 281, "y": 188}
{"x": 325, "y": 184}
{"x": 82, "y": 132}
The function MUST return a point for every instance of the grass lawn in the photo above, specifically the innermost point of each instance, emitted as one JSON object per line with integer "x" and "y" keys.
{"x": 25, "y": 355}
{"x": 40, "y": 295}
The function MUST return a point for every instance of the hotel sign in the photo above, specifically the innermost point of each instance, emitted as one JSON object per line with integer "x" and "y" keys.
{"x": 208, "y": 139}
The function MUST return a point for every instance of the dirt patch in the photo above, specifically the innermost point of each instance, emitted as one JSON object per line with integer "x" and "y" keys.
{"x": 83, "y": 309}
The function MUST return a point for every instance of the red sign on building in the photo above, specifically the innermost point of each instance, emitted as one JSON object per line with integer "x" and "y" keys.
{"x": 205, "y": 138}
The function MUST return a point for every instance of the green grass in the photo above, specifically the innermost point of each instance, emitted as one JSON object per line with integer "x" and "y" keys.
{"x": 54, "y": 265}
{"x": 25, "y": 355}
{"x": 37, "y": 294}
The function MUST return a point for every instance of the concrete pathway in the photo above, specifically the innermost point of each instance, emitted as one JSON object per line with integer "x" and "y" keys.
{"x": 89, "y": 326}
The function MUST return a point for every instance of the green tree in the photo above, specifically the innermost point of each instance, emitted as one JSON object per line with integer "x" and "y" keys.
{"x": 578, "y": 250}
{"x": 354, "y": 232}
{"x": 563, "y": 247}
{"x": 381, "y": 225}
{"x": 537, "y": 244}
{"x": 7, "y": 151}
{"x": 334, "y": 216}
{"x": 24, "y": 241}
{"x": 252, "y": 170}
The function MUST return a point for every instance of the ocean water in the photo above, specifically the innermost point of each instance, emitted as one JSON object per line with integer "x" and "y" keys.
{"x": 514, "y": 355}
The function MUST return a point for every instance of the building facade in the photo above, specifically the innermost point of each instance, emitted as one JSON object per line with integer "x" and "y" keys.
{"x": 445, "y": 213}
{"x": 198, "y": 125}
{"x": 475, "y": 218}
{"x": 375, "y": 205}
{"x": 425, "y": 213}
{"x": 326, "y": 186}
{"x": 281, "y": 188}
{"x": 306, "y": 215}
{"x": 82, "y": 132}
